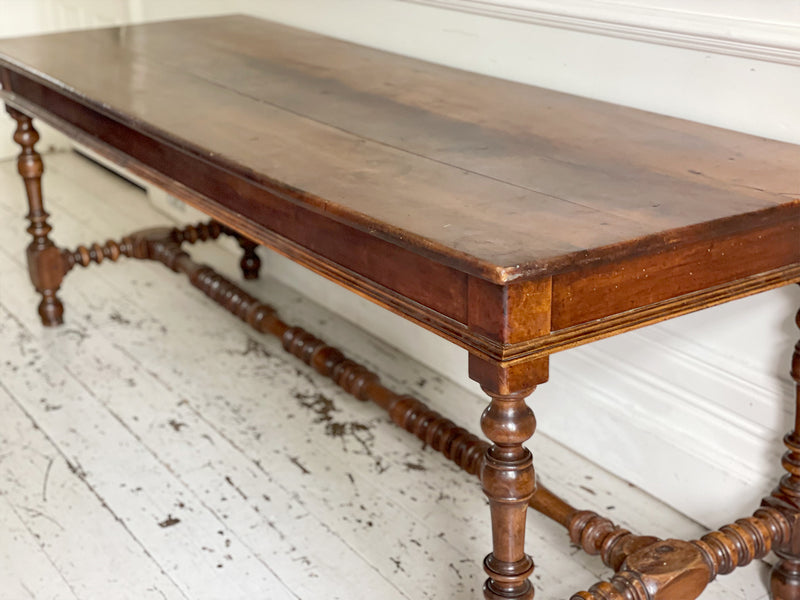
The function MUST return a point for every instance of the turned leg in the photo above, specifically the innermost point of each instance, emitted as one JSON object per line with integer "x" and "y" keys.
{"x": 45, "y": 262}
{"x": 785, "y": 578}
{"x": 250, "y": 262}
{"x": 508, "y": 480}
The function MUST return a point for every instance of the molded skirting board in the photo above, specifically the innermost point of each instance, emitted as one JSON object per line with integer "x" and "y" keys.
{"x": 660, "y": 432}
{"x": 692, "y": 27}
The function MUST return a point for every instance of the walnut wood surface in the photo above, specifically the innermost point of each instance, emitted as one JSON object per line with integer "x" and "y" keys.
{"x": 250, "y": 263}
{"x": 588, "y": 293}
{"x": 45, "y": 263}
{"x": 679, "y": 570}
{"x": 509, "y": 481}
{"x": 494, "y": 178}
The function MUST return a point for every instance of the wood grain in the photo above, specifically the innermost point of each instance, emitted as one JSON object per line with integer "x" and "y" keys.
{"x": 591, "y": 293}
{"x": 420, "y": 155}
{"x": 45, "y": 265}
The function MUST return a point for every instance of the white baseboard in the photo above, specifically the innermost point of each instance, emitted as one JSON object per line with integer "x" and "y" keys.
{"x": 705, "y": 439}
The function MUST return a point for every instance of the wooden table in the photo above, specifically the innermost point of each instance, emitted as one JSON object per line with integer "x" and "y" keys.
{"x": 511, "y": 220}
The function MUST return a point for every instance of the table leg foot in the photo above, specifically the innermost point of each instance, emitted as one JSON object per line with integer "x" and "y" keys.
{"x": 250, "y": 263}
{"x": 509, "y": 482}
{"x": 51, "y": 309}
{"x": 45, "y": 262}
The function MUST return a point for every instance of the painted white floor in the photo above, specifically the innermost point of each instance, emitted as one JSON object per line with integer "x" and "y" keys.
{"x": 154, "y": 447}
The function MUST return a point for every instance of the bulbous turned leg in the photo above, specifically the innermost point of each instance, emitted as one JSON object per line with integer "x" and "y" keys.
{"x": 250, "y": 262}
{"x": 45, "y": 261}
{"x": 785, "y": 578}
{"x": 509, "y": 482}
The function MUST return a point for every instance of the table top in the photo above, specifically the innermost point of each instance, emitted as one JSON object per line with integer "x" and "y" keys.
{"x": 491, "y": 177}
{"x": 512, "y": 220}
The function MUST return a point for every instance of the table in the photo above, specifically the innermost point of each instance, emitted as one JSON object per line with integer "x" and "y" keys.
{"x": 511, "y": 220}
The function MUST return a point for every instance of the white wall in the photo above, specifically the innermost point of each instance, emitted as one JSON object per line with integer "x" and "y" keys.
{"x": 691, "y": 409}
{"x": 30, "y": 17}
